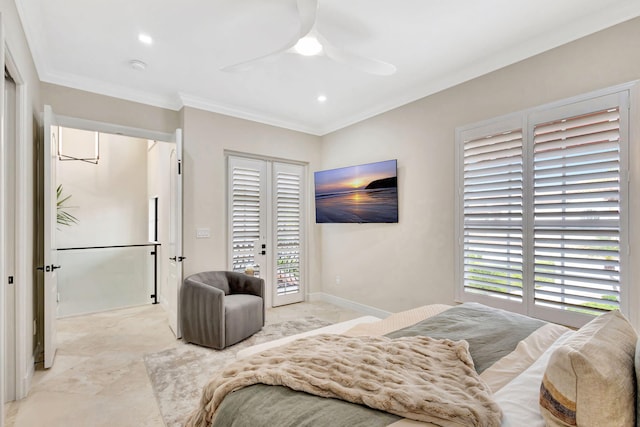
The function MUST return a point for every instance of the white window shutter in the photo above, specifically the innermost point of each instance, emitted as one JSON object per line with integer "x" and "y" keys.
{"x": 577, "y": 207}
{"x": 246, "y": 201}
{"x": 288, "y": 188}
{"x": 493, "y": 212}
{"x": 543, "y": 212}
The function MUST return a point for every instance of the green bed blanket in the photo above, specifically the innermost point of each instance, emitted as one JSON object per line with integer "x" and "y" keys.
{"x": 491, "y": 334}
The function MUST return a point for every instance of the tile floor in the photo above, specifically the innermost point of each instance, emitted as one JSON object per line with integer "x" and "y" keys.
{"x": 99, "y": 377}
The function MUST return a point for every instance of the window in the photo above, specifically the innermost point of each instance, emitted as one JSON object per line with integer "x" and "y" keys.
{"x": 542, "y": 209}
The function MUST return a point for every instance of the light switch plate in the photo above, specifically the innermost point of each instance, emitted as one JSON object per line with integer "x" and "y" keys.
{"x": 203, "y": 233}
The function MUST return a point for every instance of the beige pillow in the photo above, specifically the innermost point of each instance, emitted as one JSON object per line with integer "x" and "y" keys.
{"x": 590, "y": 380}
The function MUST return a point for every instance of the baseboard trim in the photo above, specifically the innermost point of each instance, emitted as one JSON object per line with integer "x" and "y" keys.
{"x": 348, "y": 304}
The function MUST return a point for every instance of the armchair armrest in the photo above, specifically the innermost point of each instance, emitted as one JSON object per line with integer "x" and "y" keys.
{"x": 201, "y": 300}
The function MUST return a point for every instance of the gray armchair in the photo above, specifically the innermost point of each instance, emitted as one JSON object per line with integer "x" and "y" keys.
{"x": 221, "y": 308}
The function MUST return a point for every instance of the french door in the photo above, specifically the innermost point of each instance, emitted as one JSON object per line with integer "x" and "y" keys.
{"x": 266, "y": 214}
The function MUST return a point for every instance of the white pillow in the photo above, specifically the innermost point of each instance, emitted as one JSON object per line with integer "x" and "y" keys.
{"x": 519, "y": 398}
{"x": 590, "y": 380}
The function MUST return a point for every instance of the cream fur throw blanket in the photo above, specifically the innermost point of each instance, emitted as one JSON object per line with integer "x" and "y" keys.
{"x": 420, "y": 378}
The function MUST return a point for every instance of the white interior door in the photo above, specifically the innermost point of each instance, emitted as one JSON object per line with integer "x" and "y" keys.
{"x": 175, "y": 236}
{"x": 266, "y": 217}
{"x": 50, "y": 249}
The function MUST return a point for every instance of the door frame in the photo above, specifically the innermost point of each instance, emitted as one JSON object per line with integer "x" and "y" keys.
{"x": 104, "y": 127}
{"x": 9, "y": 242}
{"x": 270, "y": 291}
{"x": 24, "y": 361}
{"x": 2, "y": 222}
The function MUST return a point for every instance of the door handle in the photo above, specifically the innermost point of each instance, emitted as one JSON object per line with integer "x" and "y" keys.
{"x": 181, "y": 258}
{"x": 172, "y": 258}
{"x": 54, "y": 267}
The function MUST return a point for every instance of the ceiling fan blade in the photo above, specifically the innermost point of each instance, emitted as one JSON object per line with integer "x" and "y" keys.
{"x": 249, "y": 64}
{"x": 307, "y": 10}
{"x": 368, "y": 65}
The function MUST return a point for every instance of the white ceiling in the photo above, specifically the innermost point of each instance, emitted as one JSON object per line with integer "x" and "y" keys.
{"x": 435, "y": 44}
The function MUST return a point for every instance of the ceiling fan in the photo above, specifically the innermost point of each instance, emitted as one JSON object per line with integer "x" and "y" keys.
{"x": 310, "y": 42}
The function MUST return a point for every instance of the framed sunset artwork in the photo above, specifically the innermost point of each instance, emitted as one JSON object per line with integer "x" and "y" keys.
{"x": 358, "y": 194}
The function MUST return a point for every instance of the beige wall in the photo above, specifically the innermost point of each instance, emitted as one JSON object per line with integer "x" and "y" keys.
{"x": 90, "y": 106}
{"x": 398, "y": 266}
{"x": 206, "y": 137}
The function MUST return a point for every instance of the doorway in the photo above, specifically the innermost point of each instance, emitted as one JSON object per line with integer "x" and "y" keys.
{"x": 92, "y": 216}
{"x": 266, "y": 216}
{"x": 103, "y": 186}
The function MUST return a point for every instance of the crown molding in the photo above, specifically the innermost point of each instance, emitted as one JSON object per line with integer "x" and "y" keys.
{"x": 246, "y": 114}
{"x": 510, "y": 56}
{"x": 513, "y": 54}
{"x": 112, "y": 90}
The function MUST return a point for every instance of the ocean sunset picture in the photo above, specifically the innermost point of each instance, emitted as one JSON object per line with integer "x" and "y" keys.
{"x": 361, "y": 194}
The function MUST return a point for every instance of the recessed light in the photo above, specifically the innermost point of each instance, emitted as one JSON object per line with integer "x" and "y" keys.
{"x": 308, "y": 46}
{"x": 136, "y": 64}
{"x": 145, "y": 38}
{"x": 322, "y": 98}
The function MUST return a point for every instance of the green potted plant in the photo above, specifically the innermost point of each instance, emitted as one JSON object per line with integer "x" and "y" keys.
{"x": 63, "y": 217}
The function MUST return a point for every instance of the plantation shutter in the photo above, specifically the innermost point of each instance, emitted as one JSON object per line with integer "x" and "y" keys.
{"x": 246, "y": 200}
{"x": 288, "y": 188}
{"x": 577, "y": 212}
{"x": 492, "y": 204}
{"x": 543, "y": 213}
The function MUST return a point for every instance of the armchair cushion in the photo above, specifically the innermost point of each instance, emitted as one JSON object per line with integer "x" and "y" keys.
{"x": 243, "y": 317}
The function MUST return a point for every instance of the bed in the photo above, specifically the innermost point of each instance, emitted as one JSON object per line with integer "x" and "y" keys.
{"x": 436, "y": 365}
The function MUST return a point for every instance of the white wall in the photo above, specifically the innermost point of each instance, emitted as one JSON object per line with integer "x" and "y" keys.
{"x": 399, "y": 266}
{"x": 109, "y": 199}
